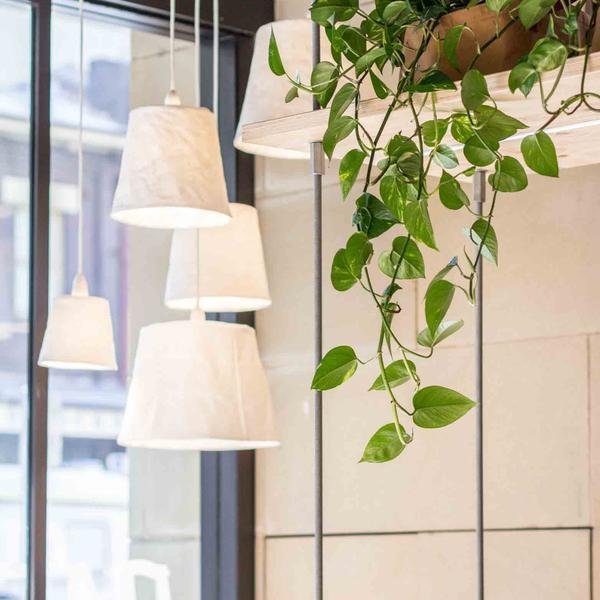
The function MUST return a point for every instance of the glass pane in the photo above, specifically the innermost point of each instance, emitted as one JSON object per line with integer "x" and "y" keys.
{"x": 15, "y": 89}
{"x": 106, "y": 506}
{"x": 88, "y": 486}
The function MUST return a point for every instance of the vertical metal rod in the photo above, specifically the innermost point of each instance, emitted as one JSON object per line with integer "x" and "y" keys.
{"x": 317, "y": 163}
{"x": 479, "y": 198}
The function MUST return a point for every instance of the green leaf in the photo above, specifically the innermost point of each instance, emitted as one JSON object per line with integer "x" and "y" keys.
{"x": 452, "y": 195}
{"x": 474, "y": 91}
{"x": 461, "y": 129}
{"x": 381, "y": 89}
{"x": 326, "y": 11}
{"x": 442, "y": 273}
{"x": 497, "y": 6}
{"x": 358, "y": 252}
{"x": 522, "y": 77}
{"x": 437, "y": 406}
{"x": 494, "y": 125}
{"x": 479, "y": 229}
{"x": 354, "y": 43}
{"x": 367, "y": 60}
{"x": 275, "y": 62}
{"x": 444, "y": 156}
{"x": 349, "y": 168}
{"x": 337, "y": 366}
{"x": 547, "y": 54}
{"x": 394, "y": 10}
{"x": 291, "y": 95}
{"x": 342, "y": 100}
{"x": 412, "y": 265}
{"x": 372, "y": 217}
{"x": 451, "y": 42}
{"x": 337, "y": 130}
{"x": 323, "y": 80}
{"x": 539, "y": 154}
{"x": 393, "y": 193}
{"x": 434, "y": 131}
{"x": 509, "y": 176}
{"x": 418, "y": 223}
{"x": 478, "y": 153}
{"x": 533, "y": 11}
{"x": 437, "y": 302}
{"x": 384, "y": 445}
{"x": 348, "y": 262}
{"x": 433, "y": 81}
{"x": 341, "y": 277}
{"x": 444, "y": 330}
{"x": 396, "y": 374}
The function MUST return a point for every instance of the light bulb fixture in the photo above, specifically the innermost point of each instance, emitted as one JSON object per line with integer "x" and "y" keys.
{"x": 263, "y": 100}
{"x": 79, "y": 332}
{"x": 198, "y": 385}
{"x": 220, "y": 269}
{"x": 171, "y": 170}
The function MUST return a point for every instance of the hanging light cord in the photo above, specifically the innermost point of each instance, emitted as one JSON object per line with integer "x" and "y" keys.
{"x": 172, "y": 45}
{"x": 197, "y": 52}
{"x": 80, "y": 149}
{"x": 216, "y": 61}
{"x": 198, "y": 46}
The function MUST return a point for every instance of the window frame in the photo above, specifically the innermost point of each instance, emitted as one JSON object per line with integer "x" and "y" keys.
{"x": 227, "y": 479}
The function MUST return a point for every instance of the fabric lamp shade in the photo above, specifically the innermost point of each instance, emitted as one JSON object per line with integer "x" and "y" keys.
{"x": 221, "y": 269}
{"x": 198, "y": 385}
{"x": 79, "y": 333}
{"x": 171, "y": 170}
{"x": 265, "y": 93}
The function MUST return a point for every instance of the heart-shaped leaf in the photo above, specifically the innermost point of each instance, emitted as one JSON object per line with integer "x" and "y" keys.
{"x": 349, "y": 168}
{"x": 444, "y": 330}
{"x": 438, "y": 299}
{"x": 437, "y": 406}
{"x": 385, "y": 444}
{"x": 336, "y": 367}
{"x": 275, "y": 62}
{"x": 396, "y": 374}
{"x": 539, "y": 154}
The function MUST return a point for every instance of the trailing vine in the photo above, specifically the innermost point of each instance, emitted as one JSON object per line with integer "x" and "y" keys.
{"x": 387, "y": 51}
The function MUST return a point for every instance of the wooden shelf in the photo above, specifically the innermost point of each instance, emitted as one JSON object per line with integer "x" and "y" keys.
{"x": 577, "y": 137}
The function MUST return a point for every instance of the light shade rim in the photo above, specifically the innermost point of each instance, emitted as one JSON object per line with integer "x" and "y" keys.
{"x": 181, "y": 217}
{"x": 76, "y": 366}
{"x": 219, "y": 303}
{"x": 208, "y": 444}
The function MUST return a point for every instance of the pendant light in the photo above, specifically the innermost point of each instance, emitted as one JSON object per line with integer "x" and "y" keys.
{"x": 220, "y": 269}
{"x": 264, "y": 96}
{"x": 198, "y": 384}
{"x": 79, "y": 331}
{"x": 171, "y": 170}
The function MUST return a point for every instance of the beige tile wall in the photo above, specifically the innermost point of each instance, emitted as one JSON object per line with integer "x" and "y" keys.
{"x": 542, "y": 422}
{"x": 542, "y": 311}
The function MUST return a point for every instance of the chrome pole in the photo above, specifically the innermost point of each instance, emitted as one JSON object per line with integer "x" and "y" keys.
{"x": 479, "y": 190}
{"x": 318, "y": 168}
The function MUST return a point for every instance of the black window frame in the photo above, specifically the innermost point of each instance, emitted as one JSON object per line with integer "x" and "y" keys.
{"x": 227, "y": 479}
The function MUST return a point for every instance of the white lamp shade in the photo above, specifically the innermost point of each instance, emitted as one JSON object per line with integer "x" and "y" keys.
{"x": 79, "y": 333}
{"x": 171, "y": 170}
{"x": 220, "y": 269}
{"x": 198, "y": 385}
{"x": 265, "y": 93}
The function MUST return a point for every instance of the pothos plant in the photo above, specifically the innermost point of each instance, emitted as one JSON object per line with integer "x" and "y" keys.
{"x": 393, "y": 38}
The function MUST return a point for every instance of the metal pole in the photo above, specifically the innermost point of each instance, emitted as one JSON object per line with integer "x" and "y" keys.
{"x": 317, "y": 164}
{"x": 479, "y": 198}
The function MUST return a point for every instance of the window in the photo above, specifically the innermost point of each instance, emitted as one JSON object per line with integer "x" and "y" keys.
{"x": 15, "y": 89}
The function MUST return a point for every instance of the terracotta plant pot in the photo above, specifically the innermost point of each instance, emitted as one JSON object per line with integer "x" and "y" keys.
{"x": 501, "y": 55}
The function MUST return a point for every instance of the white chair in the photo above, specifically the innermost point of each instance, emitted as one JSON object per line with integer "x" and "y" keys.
{"x": 157, "y": 572}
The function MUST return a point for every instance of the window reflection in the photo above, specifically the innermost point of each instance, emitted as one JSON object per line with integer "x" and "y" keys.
{"x": 15, "y": 89}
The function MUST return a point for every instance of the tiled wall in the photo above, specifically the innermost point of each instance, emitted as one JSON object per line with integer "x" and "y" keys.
{"x": 404, "y": 529}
